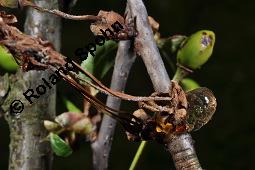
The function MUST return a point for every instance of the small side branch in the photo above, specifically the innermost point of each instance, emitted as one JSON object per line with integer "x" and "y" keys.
{"x": 60, "y": 13}
{"x": 102, "y": 146}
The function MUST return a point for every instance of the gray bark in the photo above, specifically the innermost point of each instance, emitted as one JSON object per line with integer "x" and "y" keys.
{"x": 181, "y": 146}
{"x": 101, "y": 147}
{"x": 27, "y": 149}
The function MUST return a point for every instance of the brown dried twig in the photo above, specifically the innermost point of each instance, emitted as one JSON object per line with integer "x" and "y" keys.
{"x": 25, "y": 3}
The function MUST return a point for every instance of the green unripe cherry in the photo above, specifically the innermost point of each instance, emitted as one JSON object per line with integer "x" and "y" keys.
{"x": 196, "y": 49}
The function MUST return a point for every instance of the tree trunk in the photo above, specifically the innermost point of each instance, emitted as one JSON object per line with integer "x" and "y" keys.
{"x": 27, "y": 149}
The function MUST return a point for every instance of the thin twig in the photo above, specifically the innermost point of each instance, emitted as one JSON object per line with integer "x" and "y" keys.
{"x": 102, "y": 88}
{"x": 102, "y": 146}
{"x": 60, "y": 13}
{"x": 181, "y": 146}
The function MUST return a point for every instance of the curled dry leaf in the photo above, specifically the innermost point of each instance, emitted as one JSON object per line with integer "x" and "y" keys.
{"x": 8, "y": 19}
{"x": 141, "y": 114}
{"x": 169, "y": 116}
{"x": 30, "y": 52}
{"x": 108, "y": 19}
{"x": 154, "y": 24}
{"x": 113, "y": 26}
{"x": 168, "y": 122}
{"x": 184, "y": 113}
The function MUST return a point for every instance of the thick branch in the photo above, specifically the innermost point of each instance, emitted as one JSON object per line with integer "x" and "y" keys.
{"x": 102, "y": 146}
{"x": 146, "y": 47}
{"x": 27, "y": 151}
{"x": 180, "y": 146}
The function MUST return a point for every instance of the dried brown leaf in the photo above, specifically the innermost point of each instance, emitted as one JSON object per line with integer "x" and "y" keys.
{"x": 107, "y": 19}
{"x": 8, "y": 19}
{"x": 154, "y": 24}
{"x": 30, "y": 52}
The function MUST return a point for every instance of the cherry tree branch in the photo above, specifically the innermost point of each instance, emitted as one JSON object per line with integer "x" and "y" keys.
{"x": 180, "y": 146}
{"x": 101, "y": 147}
{"x": 60, "y": 13}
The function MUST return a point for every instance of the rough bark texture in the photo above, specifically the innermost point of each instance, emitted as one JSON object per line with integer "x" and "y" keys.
{"x": 27, "y": 150}
{"x": 102, "y": 146}
{"x": 146, "y": 47}
{"x": 183, "y": 152}
{"x": 180, "y": 147}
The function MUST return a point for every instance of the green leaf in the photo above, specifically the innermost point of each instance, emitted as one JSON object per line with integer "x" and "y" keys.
{"x": 189, "y": 84}
{"x": 102, "y": 62}
{"x": 59, "y": 146}
{"x": 168, "y": 46}
{"x": 104, "y": 59}
{"x": 89, "y": 66}
{"x": 106, "y": 66}
{"x": 196, "y": 49}
{"x": 70, "y": 106}
{"x": 7, "y": 62}
{"x": 172, "y": 43}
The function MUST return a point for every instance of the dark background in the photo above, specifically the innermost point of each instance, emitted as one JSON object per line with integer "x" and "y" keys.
{"x": 226, "y": 142}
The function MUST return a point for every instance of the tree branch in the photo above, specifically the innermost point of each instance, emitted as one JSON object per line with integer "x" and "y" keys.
{"x": 181, "y": 146}
{"x": 102, "y": 146}
{"x": 60, "y": 13}
{"x": 27, "y": 151}
{"x": 146, "y": 47}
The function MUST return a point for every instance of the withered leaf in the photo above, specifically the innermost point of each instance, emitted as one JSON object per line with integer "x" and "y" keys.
{"x": 30, "y": 52}
{"x": 6, "y": 18}
{"x": 108, "y": 18}
{"x": 154, "y": 24}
